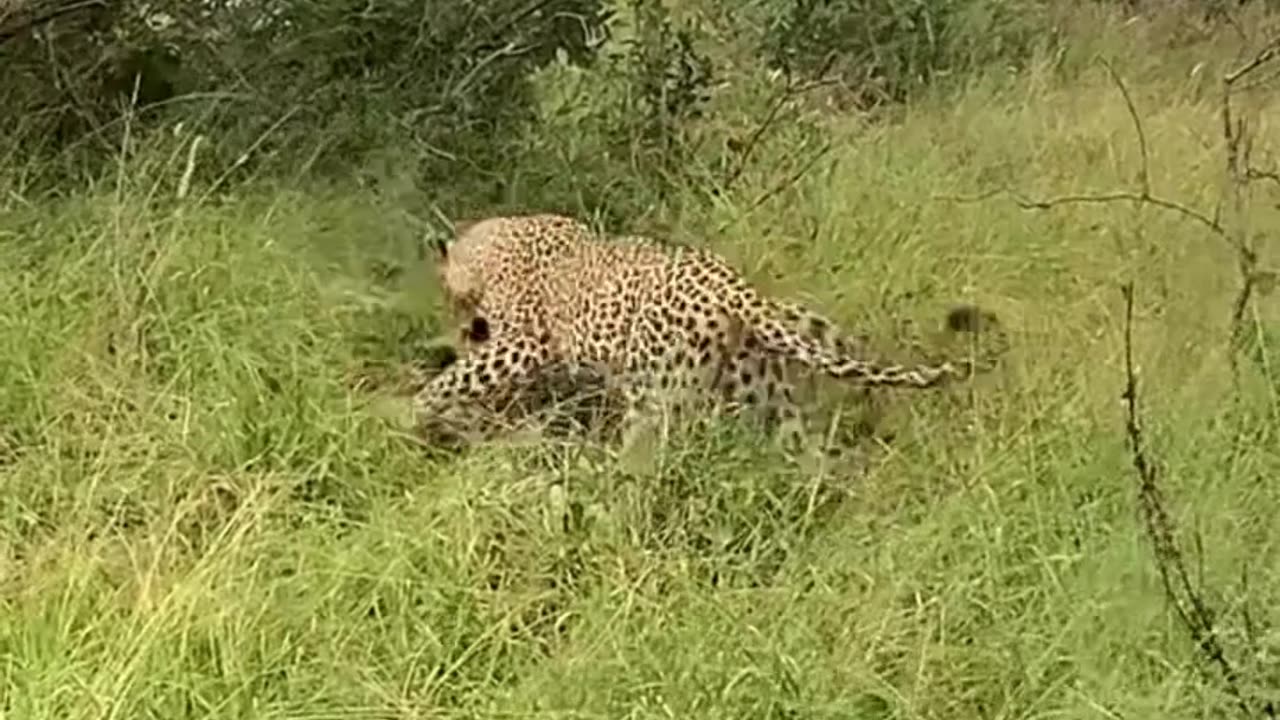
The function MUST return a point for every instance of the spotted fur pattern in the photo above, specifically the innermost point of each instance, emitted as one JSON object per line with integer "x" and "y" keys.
{"x": 548, "y": 291}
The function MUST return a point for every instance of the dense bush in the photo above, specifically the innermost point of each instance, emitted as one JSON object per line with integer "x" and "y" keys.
{"x": 444, "y": 95}
{"x": 884, "y": 49}
{"x": 324, "y": 81}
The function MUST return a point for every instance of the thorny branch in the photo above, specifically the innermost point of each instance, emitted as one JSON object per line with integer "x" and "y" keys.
{"x": 790, "y": 91}
{"x": 1187, "y": 602}
{"x": 1268, "y": 53}
{"x": 1239, "y": 175}
{"x": 787, "y": 182}
{"x": 1269, "y": 175}
{"x": 1239, "y": 144}
{"x": 1144, "y": 177}
{"x": 1144, "y": 195}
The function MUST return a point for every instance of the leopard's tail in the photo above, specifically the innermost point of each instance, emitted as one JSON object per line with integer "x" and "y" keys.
{"x": 799, "y": 334}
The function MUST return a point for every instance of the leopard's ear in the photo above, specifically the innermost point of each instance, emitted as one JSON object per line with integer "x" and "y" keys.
{"x": 434, "y": 244}
{"x": 440, "y": 245}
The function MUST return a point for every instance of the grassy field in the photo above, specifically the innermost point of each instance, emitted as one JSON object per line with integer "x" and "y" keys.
{"x": 199, "y": 518}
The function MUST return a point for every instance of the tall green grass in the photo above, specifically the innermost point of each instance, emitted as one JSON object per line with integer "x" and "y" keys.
{"x": 199, "y": 518}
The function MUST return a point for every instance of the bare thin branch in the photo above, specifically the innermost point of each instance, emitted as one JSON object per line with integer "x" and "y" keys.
{"x": 789, "y": 92}
{"x": 1144, "y": 177}
{"x": 1144, "y": 194}
{"x": 1189, "y": 213}
{"x": 1268, "y": 175}
{"x": 1183, "y": 596}
{"x": 1186, "y": 600}
{"x": 1238, "y": 140}
{"x": 1268, "y": 53}
{"x": 1028, "y": 203}
{"x": 781, "y": 186}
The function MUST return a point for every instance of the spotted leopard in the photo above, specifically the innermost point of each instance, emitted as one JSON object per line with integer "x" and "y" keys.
{"x": 545, "y": 291}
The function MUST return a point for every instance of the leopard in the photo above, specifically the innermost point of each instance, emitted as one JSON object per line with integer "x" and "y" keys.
{"x": 545, "y": 291}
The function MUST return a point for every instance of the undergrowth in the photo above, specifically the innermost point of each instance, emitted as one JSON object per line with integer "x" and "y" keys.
{"x": 202, "y": 517}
